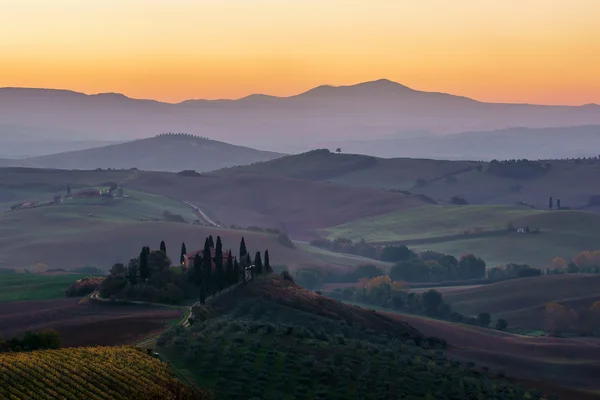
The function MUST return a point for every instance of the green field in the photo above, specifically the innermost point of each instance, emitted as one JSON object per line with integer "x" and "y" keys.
{"x": 442, "y": 228}
{"x": 23, "y": 287}
{"x": 431, "y": 221}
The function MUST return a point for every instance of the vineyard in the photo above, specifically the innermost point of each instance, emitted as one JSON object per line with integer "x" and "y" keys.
{"x": 90, "y": 373}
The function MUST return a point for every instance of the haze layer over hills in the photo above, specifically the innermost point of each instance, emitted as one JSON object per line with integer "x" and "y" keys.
{"x": 357, "y": 112}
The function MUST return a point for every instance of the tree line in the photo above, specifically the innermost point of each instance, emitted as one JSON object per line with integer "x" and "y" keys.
{"x": 151, "y": 277}
{"x": 47, "y": 339}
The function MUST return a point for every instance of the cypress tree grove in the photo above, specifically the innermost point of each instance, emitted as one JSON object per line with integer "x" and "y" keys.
{"x": 183, "y": 253}
{"x": 258, "y": 263}
{"x": 219, "y": 271}
{"x": 230, "y": 271}
{"x": 268, "y": 268}
{"x": 243, "y": 250}
{"x": 163, "y": 247}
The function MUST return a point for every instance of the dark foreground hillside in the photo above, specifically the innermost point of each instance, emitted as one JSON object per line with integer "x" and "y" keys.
{"x": 275, "y": 340}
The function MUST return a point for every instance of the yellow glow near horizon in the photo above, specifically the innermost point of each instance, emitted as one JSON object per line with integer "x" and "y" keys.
{"x": 537, "y": 51}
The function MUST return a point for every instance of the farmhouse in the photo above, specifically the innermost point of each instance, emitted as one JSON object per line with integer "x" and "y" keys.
{"x": 188, "y": 259}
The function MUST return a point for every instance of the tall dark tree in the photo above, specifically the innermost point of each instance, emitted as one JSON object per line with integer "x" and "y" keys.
{"x": 243, "y": 250}
{"x": 258, "y": 265}
{"x": 240, "y": 272}
{"x": 144, "y": 270}
{"x": 163, "y": 247}
{"x": 198, "y": 272}
{"x": 219, "y": 270}
{"x": 207, "y": 275}
{"x": 183, "y": 253}
{"x": 211, "y": 242}
{"x": 229, "y": 271}
{"x": 132, "y": 270}
{"x": 558, "y": 203}
{"x": 268, "y": 268}
{"x": 550, "y": 203}
{"x": 68, "y": 189}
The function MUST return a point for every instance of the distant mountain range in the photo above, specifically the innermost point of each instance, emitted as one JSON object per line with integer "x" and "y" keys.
{"x": 326, "y": 113}
{"x": 172, "y": 153}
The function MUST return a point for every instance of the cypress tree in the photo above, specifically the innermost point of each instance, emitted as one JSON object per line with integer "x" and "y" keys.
{"x": 144, "y": 270}
{"x": 241, "y": 270}
{"x": 219, "y": 271}
{"x": 243, "y": 250}
{"x": 230, "y": 271}
{"x": 183, "y": 253}
{"x": 268, "y": 268}
{"x": 207, "y": 277}
{"x": 163, "y": 247}
{"x": 211, "y": 243}
{"x": 198, "y": 269}
{"x": 258, "y": 263}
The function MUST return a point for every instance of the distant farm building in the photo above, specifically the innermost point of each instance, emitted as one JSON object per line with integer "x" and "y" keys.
{"x": 188, "y": 259}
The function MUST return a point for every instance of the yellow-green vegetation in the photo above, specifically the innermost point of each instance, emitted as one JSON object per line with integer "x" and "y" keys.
{"x": 431, "y": 221}
{"x": 21, "y": 287}
{"x": 482, "y": 230}
{"x": 90, "y": 373}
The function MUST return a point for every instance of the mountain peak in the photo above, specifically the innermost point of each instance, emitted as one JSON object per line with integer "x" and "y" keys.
{"x": 379, "y": 87}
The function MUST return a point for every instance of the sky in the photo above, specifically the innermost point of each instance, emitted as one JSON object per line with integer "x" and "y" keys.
{"x": 525, "y": 51}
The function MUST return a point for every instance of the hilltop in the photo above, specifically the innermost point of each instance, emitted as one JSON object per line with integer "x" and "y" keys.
{"x": 273, "y": 339}
{"x": 354, "y": 169}
{"x": 500, "y": 144}
{"x": 326, "y": 113}
{"x": 168, "y": 152}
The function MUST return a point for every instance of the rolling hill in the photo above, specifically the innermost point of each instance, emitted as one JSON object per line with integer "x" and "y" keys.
{"x": 369, "y": 109}
{"x": 170, "y": 152}
{"x": 296, "y": 206}
{"x": 354, "y": 169}
{"x": 501, "y": 144}
{"x": 521, "y": 301}
{"x": 482, "y": 230}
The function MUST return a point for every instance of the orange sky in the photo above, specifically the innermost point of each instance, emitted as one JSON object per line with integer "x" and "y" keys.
{"x": 538, "y": 51}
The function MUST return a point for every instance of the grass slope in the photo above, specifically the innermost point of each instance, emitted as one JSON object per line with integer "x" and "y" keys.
{"x": 119, "y": 373}
{"x": 433, "y": 227}
{"x": 353, "y": 169}
{"x": 296, "y": 206}
{"x": 273, "y": 340}
{"x": 65, "y": 236}
{"x": 21, "y": 287}
{"x": 521, "y": 301}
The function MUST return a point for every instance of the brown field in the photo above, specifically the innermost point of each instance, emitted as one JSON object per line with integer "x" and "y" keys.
{"x": 296, "y": 206}
{"x": 559, "y": 363}
{"x": 85, "y": 324}
{"x": 521, "y": 301}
